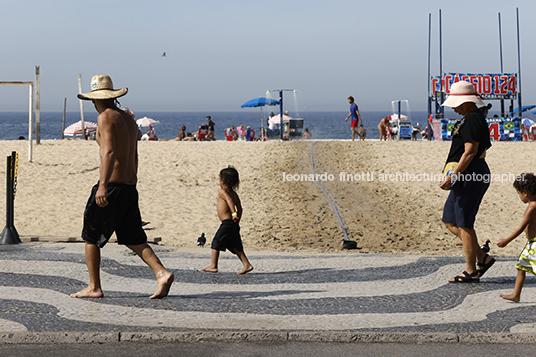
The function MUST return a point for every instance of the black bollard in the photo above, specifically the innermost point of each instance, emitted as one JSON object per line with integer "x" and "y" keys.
{"x": 10, "y": 234}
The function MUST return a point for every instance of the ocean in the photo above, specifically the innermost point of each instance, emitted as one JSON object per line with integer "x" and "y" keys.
{"x": 322, "y": 125}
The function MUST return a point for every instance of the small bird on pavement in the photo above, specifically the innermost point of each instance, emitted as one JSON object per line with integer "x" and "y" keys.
{"x": 201, "y": 240}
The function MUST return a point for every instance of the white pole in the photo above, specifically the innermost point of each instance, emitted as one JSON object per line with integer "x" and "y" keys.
{"x": 30, "y": 132}
{"x": 81, "y": 107}
{"x": 37, "y": 108}
{"x": 64, "y": 109}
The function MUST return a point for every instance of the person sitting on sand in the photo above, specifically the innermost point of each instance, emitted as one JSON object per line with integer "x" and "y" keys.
{"x": 151, "y": 133}
{"x": 182, "y": 133}
{"x": 525, "y": 185}
{"x": 189, "y": 137}
{"x": 113, "y": 203}
{"x": 383, "y": 127}
{"x": 362, "y": 132}
{"x": 229, "y": 212}
{"x": 180, "y": 136}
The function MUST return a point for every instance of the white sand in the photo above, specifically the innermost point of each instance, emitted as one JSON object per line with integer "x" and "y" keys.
{"x": 178, "y": 182}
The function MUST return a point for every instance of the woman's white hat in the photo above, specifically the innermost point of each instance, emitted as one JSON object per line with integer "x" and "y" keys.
{"x": 102, "y": 88}
{"x": 462, "y": 92}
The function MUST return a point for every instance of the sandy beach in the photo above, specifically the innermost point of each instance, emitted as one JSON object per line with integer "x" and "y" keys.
{"x": 178, "y": 182}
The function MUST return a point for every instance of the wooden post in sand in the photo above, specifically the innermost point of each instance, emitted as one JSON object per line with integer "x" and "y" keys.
{"x": 81, "y": 107}
{"x": 63, "y": 126}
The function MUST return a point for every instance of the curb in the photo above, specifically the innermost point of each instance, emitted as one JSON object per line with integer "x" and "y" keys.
{"x": 259, "y": 336}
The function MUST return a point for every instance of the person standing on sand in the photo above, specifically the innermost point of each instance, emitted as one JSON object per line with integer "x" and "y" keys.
{"x": 229, "y": 212}
{"x": 470, "y": 141}
{"x": 113, "y": 203}
{"x": 211, "y": 124}
{"x": 383, "y": 127}
{"x": 525, "y": 185}
{"x": 356, "y": 118}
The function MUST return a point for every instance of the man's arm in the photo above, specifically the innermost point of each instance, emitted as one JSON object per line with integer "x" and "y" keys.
{"x": 107, "y": 157}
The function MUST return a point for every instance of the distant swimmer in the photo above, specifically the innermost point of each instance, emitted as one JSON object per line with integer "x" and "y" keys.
{"x": 164, "y": 54}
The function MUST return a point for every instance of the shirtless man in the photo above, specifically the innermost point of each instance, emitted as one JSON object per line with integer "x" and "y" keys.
{"x": 113, "y": 204}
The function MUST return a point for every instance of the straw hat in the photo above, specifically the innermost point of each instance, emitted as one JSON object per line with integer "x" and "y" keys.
{"x": 462, "y": 92}
{"x": 102, "y": 88}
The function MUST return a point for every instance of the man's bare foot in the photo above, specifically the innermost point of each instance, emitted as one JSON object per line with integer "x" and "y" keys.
{"x": 164, "y": 284}
{"x": 246, "y": 269}
{"x": 210, "y": 269}
{"x": 88, "y": 293}
{"x": 510, "y": 297}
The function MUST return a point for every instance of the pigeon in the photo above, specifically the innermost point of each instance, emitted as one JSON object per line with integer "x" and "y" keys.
{"x": 485, "y": 247}
{"x": 201, "y": 240}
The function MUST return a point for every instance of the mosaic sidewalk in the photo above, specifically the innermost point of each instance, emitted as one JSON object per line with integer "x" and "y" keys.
{"x": 346, "y": 292}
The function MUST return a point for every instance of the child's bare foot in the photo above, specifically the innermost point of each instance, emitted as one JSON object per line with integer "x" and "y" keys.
{"x": 88, "y": 293}
{"x": 164, "y": 284}
{"x": 210, "y": 269}
{"x": 246, "y": 269}
{"x": 510, "y": 297}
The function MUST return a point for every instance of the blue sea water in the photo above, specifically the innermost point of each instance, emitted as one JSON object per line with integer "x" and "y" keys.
{"x": 322, "y": 125}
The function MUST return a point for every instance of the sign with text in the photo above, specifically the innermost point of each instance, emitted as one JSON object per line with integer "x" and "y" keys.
{"x": 500, "y": 129}
{"x": 489, "y": 86}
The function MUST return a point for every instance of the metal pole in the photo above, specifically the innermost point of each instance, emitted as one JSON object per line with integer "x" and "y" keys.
{"x": 81, "y": 107}
{"x": 501, "y": 55}
{"x": 441, "y": 109}
{"x": 12, "y": 189}
{"x": 429, "y": 46}
{"x": 30, "y": 132}
{"x": 64, "y": 109}
{"x": 9, "y": 234}
{"x": 518, "y": 65}
{"x": 281, "y": 113}
{"x": 9, "y": 190}
{"x": 37, "y": 108}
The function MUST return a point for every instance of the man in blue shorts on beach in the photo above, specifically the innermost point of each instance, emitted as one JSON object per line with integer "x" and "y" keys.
{"x": 113, "y": 204}
{"x": 356, "y": 118}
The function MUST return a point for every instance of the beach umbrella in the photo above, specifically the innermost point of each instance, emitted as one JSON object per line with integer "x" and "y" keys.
{"x": 395, "y": 117}
{"x": 528, "y": 123}
{"x": 146, "y": 121}
{"x": 276, "y": 119}
{"x": 76, "y": 128}
{"x": 524, "y": 108}
{"x": 260, "y": 102}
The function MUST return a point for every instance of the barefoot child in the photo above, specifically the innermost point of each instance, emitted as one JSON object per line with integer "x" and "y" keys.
{"x": 229, "y": 213}
{"x": 525, "y": 185}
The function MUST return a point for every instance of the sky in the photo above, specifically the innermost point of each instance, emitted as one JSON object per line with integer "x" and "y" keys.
{"x": 220, "y": 54}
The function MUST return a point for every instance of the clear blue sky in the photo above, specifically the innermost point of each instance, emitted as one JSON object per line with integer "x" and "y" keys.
{"x": 222, "y": 53}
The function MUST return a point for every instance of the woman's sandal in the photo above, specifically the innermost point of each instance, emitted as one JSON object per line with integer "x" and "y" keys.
{"x": 483, "y": 267}
{"x": 466, "y": 278}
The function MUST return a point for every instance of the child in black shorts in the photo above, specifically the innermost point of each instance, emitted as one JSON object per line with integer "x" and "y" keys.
{"x": 229, "y": 213}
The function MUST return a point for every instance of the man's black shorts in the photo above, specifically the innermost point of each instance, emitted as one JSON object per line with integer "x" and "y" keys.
{"x": 121, "y": 215}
